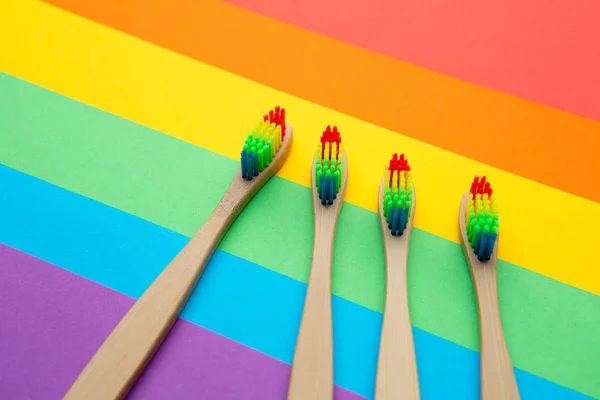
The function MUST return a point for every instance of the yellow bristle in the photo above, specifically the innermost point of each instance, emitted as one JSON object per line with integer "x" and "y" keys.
{"x": 273, "y": 132}
{"x": 486, "y": 205}
{"x": 394, "y": 181}
{"x": 387, "y": 177}
{"x": 494, "y": 208}
{"x": 478, "y": 206}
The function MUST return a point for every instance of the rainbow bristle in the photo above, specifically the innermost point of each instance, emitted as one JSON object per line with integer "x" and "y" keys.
{"x": 482, "y": 219}
{"x": 328, "y": 170}
{"x": 263, "y": 143}
{"x": 397, "y": 203}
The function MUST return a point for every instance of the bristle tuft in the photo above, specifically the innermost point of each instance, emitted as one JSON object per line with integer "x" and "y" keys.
{"x": 398, "y": 198}
{"x": 328, "y": 169}
{"x": 263, "y": 143}
{"x": 482, "y": 220}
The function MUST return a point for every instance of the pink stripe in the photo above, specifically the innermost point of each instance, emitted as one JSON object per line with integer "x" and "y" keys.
{"x": 544, "y": 51}
{"x": 54, "y": 320}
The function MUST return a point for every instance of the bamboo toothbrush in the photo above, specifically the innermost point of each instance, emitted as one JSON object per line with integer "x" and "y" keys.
{"x": 312, "y": 370}
{"x": 479, "y": 224}
{"x": 397, "y": 376}
{"x": 124, "y": 354}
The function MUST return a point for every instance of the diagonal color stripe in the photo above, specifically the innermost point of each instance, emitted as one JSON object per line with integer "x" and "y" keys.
{"x": 546, "y": 54}
{"x": 55, "y": 320}
{"x": 527, "y": 139}
{"x": 122, "y": 252}
{"x": 194, "y": 101}
{"x": 235, "y": 298}
{"x": 142, "y": 176}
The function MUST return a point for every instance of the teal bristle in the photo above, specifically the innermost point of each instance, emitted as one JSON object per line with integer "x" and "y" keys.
{"x": 398, "y": 196}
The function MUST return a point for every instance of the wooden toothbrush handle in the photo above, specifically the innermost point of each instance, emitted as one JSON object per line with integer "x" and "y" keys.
{"x": 397, "y": 376}
{"x": 124, "y": 354}
{"x": 497, "y": 375}
{"x": 312, "y": 370}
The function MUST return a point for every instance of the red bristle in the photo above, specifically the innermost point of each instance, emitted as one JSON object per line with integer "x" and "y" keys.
{"x": 282, "y": 123}
{"x": 394, "y": 166}
{"x": 330, "y": 136}
{"x": 486, "y": 188}
{"x": 337, "y": 139}
{"x": 265, "y": 118}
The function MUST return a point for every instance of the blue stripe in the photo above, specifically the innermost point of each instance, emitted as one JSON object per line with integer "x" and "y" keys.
{"x": 238, "y": 299}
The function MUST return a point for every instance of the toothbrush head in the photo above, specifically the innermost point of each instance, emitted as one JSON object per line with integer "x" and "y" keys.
{"x": 482, "y": 220}
{"x": 329, "y": 165}
{"x": 263, "y": 143}
{"x": 398, "y": 200}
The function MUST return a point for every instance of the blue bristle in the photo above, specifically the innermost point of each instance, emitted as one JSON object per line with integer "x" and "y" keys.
{"x": 483, "y": 245}
{"x": 405, "y": 217}
{"x": 324, "y": 191}
{"x": 390, "y": 217}
{"x": 395, "y": 221}
{"x": 321, "y": 183}
{"x": 401, "y": 221}
{"x": 255, "y": 164}
{"x": 334, "y": 187}
{"x": 249, "y": 163}
{"x": 482, "y": 248}
{"x": 489, "y": 248}
{"x": 243, "y": 161}
{"x": 331, "y": 191}
{"x": 477, "y": 242}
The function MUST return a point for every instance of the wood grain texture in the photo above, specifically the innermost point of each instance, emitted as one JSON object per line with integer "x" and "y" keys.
{"x": 312, "y": 369}
{"x": 122, "y": 357}
{"x": 497, "y": 375}
{"x": 397, "y": 376}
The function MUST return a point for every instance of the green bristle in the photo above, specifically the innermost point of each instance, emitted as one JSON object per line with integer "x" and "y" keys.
{"x": 319, "y": 175}
{"x": 489, "y": 222}
{"x": 486, "y": 229}
{"x": 338, "y": 182}
{"x": 261, "y": 161}
{"x": 265, "y": 149}
{"x": 270, "y": 150}
{"x": 474, "y": 234}
{"x": 402, "y": 200}
{"x": 409, "y": 206}
{"x": 387, "y": 201}
{"x": 472, "y": 222}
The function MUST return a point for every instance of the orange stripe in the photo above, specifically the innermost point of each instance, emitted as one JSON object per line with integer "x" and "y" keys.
{"x": 531, "y": 140}
{"x": 544, "y": 54}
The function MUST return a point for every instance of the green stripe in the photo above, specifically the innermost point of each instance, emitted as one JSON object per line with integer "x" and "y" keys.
{"x": 551, "y": 328}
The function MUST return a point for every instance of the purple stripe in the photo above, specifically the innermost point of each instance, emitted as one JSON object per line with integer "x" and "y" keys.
{"x": 53, "y": 321}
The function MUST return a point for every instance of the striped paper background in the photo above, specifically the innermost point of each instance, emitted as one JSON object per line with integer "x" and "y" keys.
{"x": 120, "y": 126}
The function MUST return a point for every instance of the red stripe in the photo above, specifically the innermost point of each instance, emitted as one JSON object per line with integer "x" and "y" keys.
{"x": 544, "y": 51}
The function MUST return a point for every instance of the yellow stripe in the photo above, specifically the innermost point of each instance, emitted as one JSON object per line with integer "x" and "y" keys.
{"x": 214, "y": 109}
